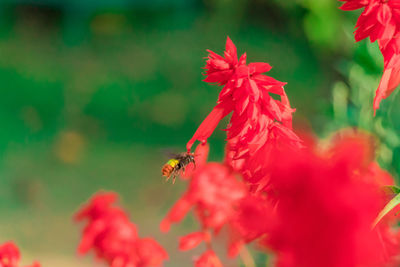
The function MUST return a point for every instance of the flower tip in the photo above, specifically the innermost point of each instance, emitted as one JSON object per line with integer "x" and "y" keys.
{"x": 191, "y": 241}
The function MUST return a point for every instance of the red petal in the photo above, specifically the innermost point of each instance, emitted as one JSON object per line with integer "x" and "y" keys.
{"x": 287, "y": 111}
{"x": 274, "y": 109}
{"x": 150, "y": 252}
{"x": 176, "y": 214}
{"x": 384, "y": 14}
{"x": 387, "y": 34}
{"x": 390, "y": 80}
{"x": 254, "y": 90}
{"x": 234, "y": 248}
{"x": 259, "y": 67}
{"x": 208, "y": 259}
{"x": 209, "y": 124}
{"x": 352, "y": 5}
{"x": 219, "y": 76}
{"x": 230, "y": 51}
{"x": 242, "y": 59}
{"x": 286, "y": 134}
{"x": 241, "y": 72}
{"x": 225, "y": 91}
{"x": 201, "y": 154}
{"x": 212, "y": 55}
{"x": 191, "y": 241}
{"x": 242, "y": 104}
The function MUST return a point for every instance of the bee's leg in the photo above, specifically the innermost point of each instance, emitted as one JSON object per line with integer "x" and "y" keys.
{"x": 194, "y": 164}
{"x": 174, "y": 174}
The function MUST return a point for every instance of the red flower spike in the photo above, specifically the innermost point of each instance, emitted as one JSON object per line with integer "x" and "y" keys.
{"x": 241, "y": 83}
{"x": 380, "y": 21}
{"x": 113, "y": 238}
{"x": 10, "y": 256}
{"x": 258, "y": 122}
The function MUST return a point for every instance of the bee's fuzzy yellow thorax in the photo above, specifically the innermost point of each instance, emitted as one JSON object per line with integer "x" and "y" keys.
{"x": 173, "y": 162}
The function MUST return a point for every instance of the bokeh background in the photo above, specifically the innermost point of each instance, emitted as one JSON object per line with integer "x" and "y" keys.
{"x": 95, "y": 93}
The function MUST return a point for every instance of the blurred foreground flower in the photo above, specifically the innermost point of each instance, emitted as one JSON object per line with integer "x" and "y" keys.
{"x": 380, "y": 21}
{"x": 10, "y": 256}
{"x": 323, "y": 205}
{"x": 113, "y": 237}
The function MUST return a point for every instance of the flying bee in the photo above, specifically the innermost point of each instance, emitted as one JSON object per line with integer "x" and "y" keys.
{"x": 177, "y": 164}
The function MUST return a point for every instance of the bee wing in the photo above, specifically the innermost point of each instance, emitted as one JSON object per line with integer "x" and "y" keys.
{"x": 170, "y": 153}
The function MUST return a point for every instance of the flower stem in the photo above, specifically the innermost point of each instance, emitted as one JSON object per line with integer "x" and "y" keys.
{"x": 246, "y": 257}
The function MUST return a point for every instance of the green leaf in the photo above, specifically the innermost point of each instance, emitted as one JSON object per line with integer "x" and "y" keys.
{"x": 391, "y": 189}
{"x": 389, "y": 206}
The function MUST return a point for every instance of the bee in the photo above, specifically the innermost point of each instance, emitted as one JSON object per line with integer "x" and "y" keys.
{"x": 177, "y": 164}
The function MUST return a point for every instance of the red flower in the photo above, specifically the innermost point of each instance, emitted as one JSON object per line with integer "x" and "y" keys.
{"x": 258, "y": 120}
{"x": 214, "y": 193}
{"x": 10, "y": 256}
{"x": 380, "y": 20}
{"x": 391, "y": 73}
{"x": 113, "y": 237}
{"x": 246, "y": 92}
{"x": 326, "y": 203}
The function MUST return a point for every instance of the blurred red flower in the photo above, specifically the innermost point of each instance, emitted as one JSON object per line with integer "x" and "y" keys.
{"x": 113, "y": 237}
{"x": 325, "y": 204}
{"x": 208, "y": 259}
{"x": 10, "y": 256}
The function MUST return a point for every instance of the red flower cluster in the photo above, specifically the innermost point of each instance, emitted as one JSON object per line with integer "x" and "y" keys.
{"x": 10, "y": 256}
{"x": 380, "y": 21}
{"x": 312, "y": 207}
{"x": 258, "y": 122}
{"x": 114, "y": 238}
{"x": 322, "y": 208}
{"x": 214, "y": 193}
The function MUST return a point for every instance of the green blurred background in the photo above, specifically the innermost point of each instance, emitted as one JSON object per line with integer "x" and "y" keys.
{"x": 93, "y": 93}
